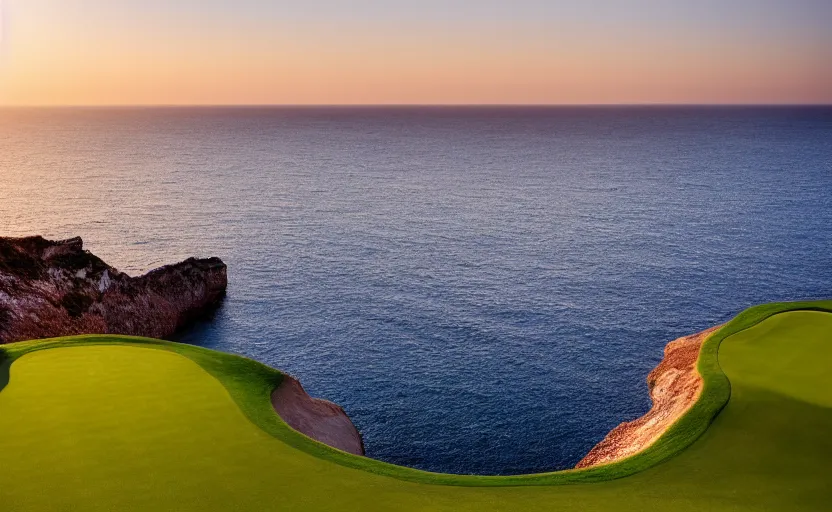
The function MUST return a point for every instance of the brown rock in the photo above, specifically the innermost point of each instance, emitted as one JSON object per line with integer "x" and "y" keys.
{"x": 56, "y": 288}
{"x": 674, "y": 385}
{"x": 321, "y": 420}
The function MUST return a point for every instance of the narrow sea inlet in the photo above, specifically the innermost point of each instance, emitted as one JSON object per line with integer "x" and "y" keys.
{"x": 484, "y": 290}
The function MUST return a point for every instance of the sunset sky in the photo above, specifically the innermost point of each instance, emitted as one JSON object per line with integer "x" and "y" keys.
{"x": 94, "y": 52}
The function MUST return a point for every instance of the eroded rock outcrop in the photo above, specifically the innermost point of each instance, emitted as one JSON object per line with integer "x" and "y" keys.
{"x": 321, "y": 420}
{"x": 56, "y": 288}
{"x": 674, "y": 385}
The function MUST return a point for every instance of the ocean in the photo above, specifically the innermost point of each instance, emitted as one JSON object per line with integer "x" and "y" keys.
{"x": 484, "y": 290}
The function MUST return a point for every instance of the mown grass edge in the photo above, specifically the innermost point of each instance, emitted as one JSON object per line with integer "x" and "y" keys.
{"x": 250, "y": 384}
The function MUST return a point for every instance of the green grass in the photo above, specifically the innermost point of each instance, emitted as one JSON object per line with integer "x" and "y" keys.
{"x": 103, "y": 423}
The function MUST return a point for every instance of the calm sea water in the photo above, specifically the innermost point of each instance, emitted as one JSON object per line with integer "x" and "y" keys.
{"x": 483, "y": 290}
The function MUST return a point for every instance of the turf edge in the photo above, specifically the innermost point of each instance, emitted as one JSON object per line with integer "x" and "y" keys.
{"x": 250, "y": 383}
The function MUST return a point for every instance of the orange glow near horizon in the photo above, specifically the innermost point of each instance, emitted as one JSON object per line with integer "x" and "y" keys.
{"x": 44, "y": 61}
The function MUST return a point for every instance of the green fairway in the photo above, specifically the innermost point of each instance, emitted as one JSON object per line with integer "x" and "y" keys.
{"x": 118, "y": 424}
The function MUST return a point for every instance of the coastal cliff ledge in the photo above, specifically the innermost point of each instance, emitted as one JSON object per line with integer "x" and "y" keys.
{"x": 321, "y": 420}
{"x": 675, "y": 385}
{"x": 56, "y": 288}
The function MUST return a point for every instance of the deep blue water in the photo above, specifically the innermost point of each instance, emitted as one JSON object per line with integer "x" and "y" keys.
{"x": 484, "y": 290}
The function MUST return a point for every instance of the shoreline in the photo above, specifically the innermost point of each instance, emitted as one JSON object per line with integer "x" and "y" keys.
{"x": 52, "y": 288}
{"x": 321, "y": 420}
{"x": 246, "y": 380}
{"x": 674, "y": 385}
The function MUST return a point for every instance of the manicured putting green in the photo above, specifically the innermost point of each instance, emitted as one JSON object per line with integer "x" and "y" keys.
{"x": 97, "y": 423}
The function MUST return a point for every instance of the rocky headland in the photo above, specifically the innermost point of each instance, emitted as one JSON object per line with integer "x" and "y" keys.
{"x": 56, "y": 288}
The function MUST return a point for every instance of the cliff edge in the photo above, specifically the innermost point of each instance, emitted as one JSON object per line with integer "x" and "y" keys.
{"x": 674, "y": 385}
{"x": 56, "y": 288}
{"x": 321, "y": 420}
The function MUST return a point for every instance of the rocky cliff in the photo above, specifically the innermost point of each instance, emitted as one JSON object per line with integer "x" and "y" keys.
{"x": 56, "y": 288}
{"x": 321, "y": 420}
{"x": 674, "y": 386}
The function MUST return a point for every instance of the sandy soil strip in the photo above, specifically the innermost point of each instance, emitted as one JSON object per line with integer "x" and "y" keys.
{"x": 321, "y": 420}
{"x": 674, "y": 385}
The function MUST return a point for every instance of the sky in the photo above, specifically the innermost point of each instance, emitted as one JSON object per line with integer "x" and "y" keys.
{"x": 188, "y": 52}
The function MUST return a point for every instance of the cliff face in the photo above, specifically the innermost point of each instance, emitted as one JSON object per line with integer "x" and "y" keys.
{"x": 319, "y": 419}
{"x": 56, "y": 288}
{"x": 674, "y": 385}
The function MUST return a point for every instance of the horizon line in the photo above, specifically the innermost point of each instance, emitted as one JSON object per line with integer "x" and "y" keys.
{"x": 404, "y": 105}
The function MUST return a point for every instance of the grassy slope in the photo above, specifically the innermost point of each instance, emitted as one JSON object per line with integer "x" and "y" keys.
{"x": 154, "y": 431}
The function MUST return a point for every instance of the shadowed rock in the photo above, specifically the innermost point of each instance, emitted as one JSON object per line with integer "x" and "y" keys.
{"x": 56, "y": 288}
{"x": 321, "y": 420}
